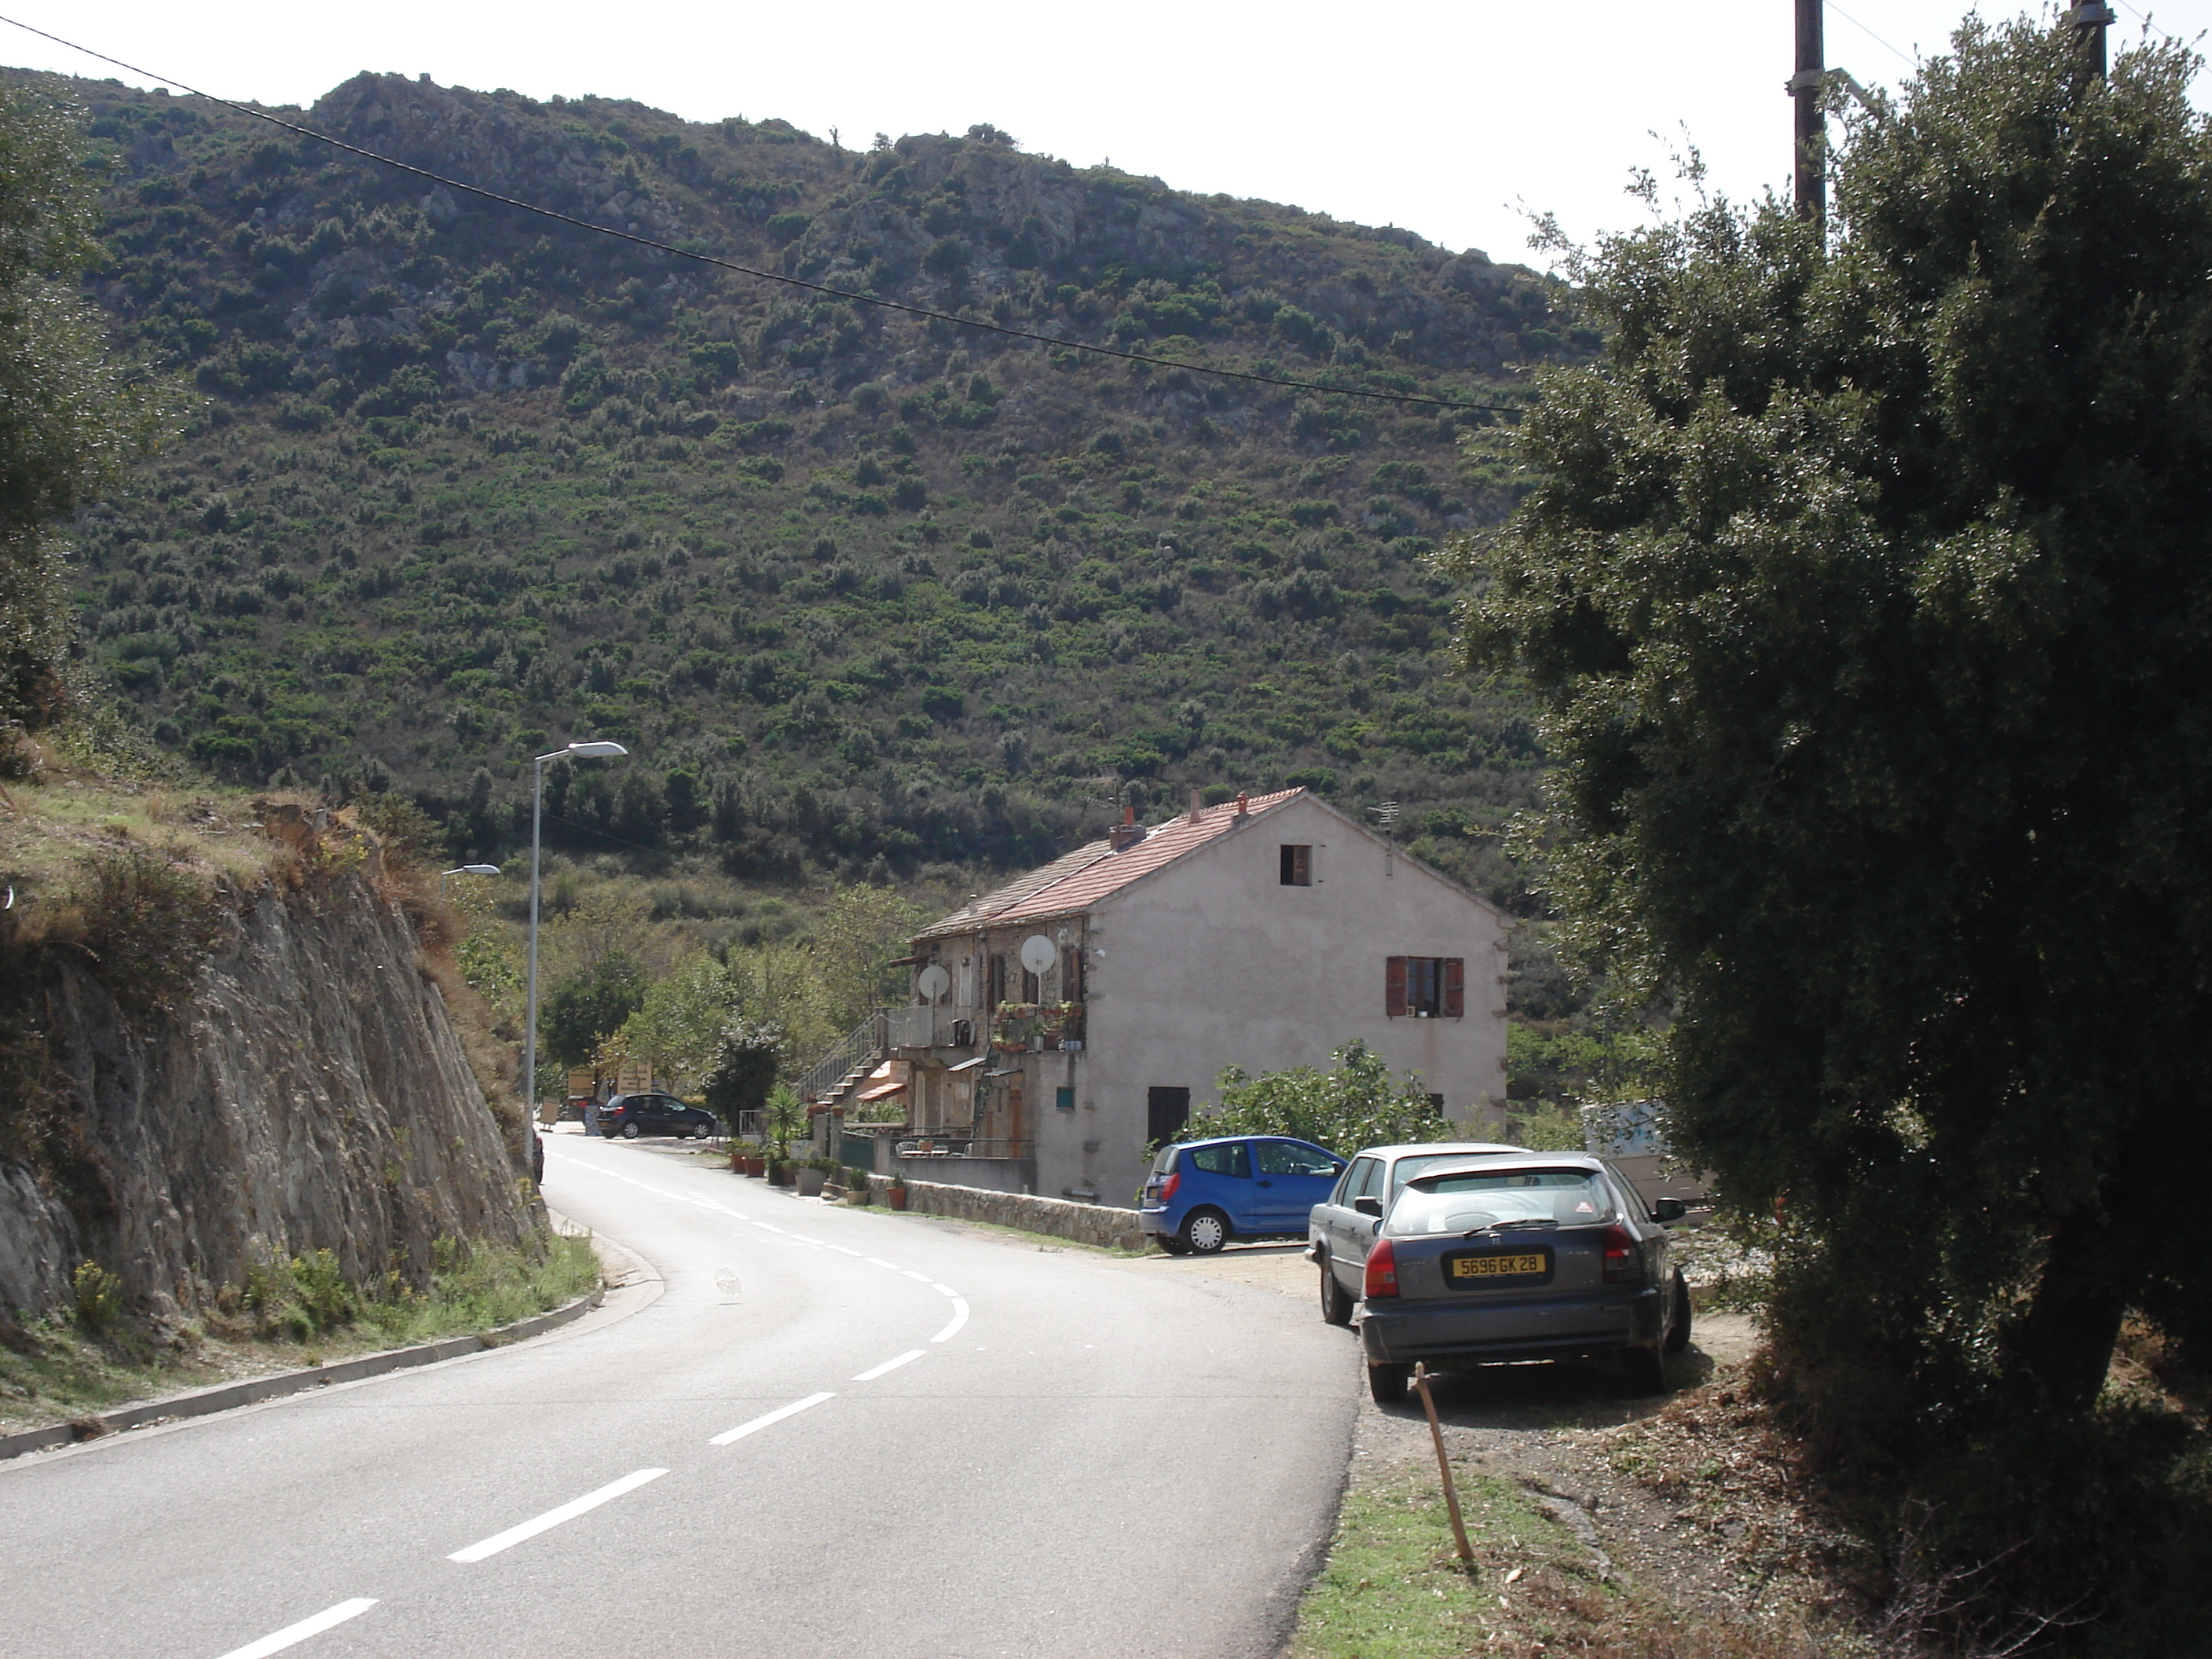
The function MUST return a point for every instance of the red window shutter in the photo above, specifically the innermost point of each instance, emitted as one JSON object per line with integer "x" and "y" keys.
{"x": 1455, "y": 987}
{"x": 1393, "y": 987}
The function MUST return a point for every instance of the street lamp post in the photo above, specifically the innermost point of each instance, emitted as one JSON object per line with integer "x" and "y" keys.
{"x": 591, "y": 751}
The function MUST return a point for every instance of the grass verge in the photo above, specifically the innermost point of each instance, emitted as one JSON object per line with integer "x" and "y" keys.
{"x": 289, "y": 1316}
{"x": 1393, "y": 1587}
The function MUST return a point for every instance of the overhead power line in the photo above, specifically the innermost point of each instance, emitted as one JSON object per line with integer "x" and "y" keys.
{"x": 715, "y": 260}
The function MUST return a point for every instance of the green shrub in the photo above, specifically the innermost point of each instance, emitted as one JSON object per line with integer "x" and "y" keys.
{"x": 99, "y": 1297}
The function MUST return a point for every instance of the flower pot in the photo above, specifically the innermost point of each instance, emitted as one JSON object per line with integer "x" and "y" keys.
{"x": 895, "y": 1197}
{"x": 809, "y": 1183}
{"x": 756, "y": 1166}
{"x": 779, "y": 1174}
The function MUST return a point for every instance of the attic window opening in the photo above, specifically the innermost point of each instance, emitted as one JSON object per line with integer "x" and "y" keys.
{"x": 1297, "y": 867}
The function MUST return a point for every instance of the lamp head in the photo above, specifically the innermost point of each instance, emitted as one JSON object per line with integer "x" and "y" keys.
{"x": 597, "y": 747}
{"x": 475, "y": 870}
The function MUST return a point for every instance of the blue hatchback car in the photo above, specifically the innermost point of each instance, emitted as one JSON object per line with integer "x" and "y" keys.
{"x": 1199, "y": 1195}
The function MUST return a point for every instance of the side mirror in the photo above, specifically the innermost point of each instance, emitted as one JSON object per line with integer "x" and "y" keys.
{"x": 1368, "y": 1203}
{"x": 1669, "y": 1209}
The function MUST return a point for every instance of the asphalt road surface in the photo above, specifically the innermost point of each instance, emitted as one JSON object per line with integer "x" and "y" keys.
{"x": 819, "y": 1430}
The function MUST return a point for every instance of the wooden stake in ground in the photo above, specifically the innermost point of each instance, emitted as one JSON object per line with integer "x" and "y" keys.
{"x": 1443, "y": 1463}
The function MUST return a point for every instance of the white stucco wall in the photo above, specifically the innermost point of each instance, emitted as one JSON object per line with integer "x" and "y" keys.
{"x": 1211, "y": 962}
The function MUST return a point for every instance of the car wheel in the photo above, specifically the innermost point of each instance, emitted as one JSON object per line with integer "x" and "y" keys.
{"x": 1172, "y": 1244}
{"x": 630, "y": 1132}
{"x": 703, "y": 1132}
{"x": 1387, "y": 1383}
{"x": 1643, "y": 1370}
{"x": 1678, "y": 1338}
{"x": 1335, "y": 1303}
{"x": 1206, "y": 1230}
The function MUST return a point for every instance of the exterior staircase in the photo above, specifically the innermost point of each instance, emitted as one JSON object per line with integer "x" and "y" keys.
{"x": 841, "y": 1072}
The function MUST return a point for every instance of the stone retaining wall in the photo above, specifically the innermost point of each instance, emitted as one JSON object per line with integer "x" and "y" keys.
{"x": 1086, "y": 1224}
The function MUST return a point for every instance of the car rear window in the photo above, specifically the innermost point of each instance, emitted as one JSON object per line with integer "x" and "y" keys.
{"x": 1228, "y": 1159}
{"x": 1413, "y": 1163}
{"x": 1164, "y": 1160}
{"x": 1463, "y": 1202}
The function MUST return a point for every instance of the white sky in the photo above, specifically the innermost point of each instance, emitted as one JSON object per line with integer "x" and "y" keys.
{"x": 1440, "y": 118}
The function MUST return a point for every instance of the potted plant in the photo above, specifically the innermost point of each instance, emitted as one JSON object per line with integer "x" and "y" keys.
{"x": 856, "y": 1185}
{"x": 811, "y": 1176}
{"x": 782, "y": 1118}
{"x": 1019, "y": 1024}
{"x": 895, "y": 1190}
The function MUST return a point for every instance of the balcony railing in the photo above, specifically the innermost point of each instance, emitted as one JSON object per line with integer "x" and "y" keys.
{"x": 864, "y": 1041}
{"x": 924, "y": 1026}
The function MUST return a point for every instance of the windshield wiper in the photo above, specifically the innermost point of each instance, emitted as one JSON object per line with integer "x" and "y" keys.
{"x": 1517, "y": 1221}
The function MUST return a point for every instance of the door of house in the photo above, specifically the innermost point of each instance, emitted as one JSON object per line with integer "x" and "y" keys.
{"x": 1014, "y": 1117}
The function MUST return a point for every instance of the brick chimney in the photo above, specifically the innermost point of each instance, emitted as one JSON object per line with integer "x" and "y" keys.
{"x": 1127, "y": 832}
{"x": 1197, "y": 802}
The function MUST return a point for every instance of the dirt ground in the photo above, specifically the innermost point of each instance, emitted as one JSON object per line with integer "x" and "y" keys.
{"x": 1669, "y": 1494}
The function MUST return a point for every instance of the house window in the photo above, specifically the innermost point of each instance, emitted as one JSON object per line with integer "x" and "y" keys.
{"x": 1425, "y": 987}
{"x": 996, "y": 987}
{"x": 1064, "y": 1098}
{"x": 1071, "y": 974}
{"x": 1166, "y": 1110}
{"x": 1297, "y": 867}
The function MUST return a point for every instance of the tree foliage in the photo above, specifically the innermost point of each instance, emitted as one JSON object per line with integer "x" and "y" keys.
{"x": 749, "y": 1056}
{"x": 71, "y": 413}
{"x": 589, "y": 1005}
{"x": 1354, "y": 1105}
{"x": 678, "y": 1025}
{"x": 1868, "y": 594}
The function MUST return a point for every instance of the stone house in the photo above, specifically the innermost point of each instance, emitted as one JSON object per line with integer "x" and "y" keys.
{"x": 1082, "y": 1011}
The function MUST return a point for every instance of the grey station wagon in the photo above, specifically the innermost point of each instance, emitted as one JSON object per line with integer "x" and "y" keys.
{"x": 1341, "y": 1226}
{"x": 1532, "y": 1256}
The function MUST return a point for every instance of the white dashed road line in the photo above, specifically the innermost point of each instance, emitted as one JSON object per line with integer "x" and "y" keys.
{"x": 959, "y": 1318}
{"x": 889, "y": 1366}
{"x": 279, "y": 1640}
{"x": 775, "y": 1416}
{"x": 551, "y": 1518}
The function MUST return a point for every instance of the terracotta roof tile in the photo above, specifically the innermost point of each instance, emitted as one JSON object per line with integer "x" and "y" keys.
{"x": 1163, "y": 845}
{"x": 977, "y": 912}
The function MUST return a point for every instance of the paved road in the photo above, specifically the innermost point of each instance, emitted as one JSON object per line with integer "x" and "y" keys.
{"x": 831, "y": 1432}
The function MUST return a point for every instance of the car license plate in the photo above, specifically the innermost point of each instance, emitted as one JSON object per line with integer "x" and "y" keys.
{"x": 1497, "y": 1267}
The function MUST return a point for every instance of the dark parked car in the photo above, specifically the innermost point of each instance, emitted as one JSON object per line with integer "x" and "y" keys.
{"x": 1202, "y": 1193}
{"x": 1343, "y": 1225}
{"x": 632, "y": 1116}
{"x": 1535, "y": 1255}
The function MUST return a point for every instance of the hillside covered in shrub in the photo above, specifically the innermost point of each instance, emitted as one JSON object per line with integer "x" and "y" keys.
{"x": 861, "y": 591}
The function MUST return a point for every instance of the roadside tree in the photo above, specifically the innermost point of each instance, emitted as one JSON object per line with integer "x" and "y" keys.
{"x": 1869, "y": 594}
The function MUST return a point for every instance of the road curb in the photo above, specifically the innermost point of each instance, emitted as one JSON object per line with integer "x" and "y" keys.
{"x": 205, "y": 1403}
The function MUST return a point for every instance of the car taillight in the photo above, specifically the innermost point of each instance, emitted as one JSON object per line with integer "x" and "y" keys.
{"x": 1168, "y": 1188}
{"x": 1381, "y": 1271}
{"x": 1624, "y": 1262}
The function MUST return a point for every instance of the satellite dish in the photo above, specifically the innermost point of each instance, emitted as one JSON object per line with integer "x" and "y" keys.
{"x": 1039, "y": 953}
{"x": 932, "y": 982}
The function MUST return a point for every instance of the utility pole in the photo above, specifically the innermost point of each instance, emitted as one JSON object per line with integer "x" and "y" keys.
{"x": 1810, "y": 172}
{"x": 2090, "y": 20}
